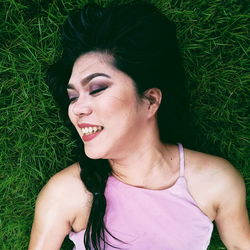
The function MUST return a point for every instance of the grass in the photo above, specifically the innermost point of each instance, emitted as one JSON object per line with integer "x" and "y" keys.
{"x": 214, "y": 39}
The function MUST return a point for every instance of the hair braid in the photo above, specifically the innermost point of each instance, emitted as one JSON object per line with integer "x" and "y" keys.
{"x": 94, "y": 175}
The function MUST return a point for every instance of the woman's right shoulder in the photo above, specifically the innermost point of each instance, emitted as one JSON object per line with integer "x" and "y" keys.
{"x": 67, "y": 190}
{"x": 62, "y": 205}
{"x": 65, "y": 182}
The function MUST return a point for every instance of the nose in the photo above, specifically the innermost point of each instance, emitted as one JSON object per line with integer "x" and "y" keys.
{"x": 81, "y": 108}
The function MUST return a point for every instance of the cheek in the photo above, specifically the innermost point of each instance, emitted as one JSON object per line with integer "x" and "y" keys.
{"x": 117, "y": 109}
{"x": 70, "y": 114}
{"x": 116, "y": 103}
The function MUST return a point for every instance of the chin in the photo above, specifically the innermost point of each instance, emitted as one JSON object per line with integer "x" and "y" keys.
{"x": 94, "y": 154}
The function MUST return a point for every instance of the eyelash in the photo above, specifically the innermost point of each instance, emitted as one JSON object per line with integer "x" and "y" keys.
{"x": 72, "y": 99}
{"x": 97, "y": 90}
{"x": 91, "y": 93}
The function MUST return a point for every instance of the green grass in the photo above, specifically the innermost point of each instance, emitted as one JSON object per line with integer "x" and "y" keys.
{"x": 214, "y": 39}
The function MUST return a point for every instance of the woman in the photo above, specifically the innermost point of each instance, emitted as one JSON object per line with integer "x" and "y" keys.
{"x": 121, "y": 81}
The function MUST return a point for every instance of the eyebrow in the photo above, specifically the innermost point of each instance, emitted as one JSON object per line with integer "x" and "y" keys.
{"x": 87, "y": 79}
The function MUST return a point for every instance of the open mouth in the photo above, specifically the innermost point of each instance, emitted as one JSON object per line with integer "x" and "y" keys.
{"x": 91, "y": 130}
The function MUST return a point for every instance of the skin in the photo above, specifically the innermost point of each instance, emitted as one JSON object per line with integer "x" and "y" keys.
{"x": 130, "y": 138}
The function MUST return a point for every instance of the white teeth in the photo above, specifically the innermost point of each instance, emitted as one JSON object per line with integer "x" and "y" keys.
{"x": 90, "y": 130}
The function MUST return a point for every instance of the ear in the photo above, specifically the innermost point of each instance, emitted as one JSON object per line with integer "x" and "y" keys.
{"x": 153, "y": 97}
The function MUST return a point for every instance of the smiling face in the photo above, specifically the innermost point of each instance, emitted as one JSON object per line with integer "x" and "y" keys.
{"x": 105, "y": 109}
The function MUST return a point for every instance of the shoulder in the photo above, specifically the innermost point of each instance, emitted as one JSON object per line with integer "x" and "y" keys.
{"x": 67, "y": 180}
{"x": 213, "y": 168}
{"x": 221, "y": 194}
{"x": 58, "y": 207}
{"x": 65, "y": 192}
{"x": 214, "y": 174}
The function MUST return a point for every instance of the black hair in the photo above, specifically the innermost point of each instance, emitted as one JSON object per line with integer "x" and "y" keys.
{"x": 143, "y": 44}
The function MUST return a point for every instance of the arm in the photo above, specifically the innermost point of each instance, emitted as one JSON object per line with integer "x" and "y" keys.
{"x": 61, "y": 204}
{"x": 51, "y": 223}
{"x": 232, "y": 217}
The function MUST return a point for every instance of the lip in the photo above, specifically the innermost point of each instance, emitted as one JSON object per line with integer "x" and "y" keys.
{"x": 91, "y": 136}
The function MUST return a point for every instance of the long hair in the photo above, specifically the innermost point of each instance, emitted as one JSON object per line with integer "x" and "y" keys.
{"x": 143, "y": 44}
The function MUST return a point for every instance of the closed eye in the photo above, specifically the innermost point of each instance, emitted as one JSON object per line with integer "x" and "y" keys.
{"x": 72, "y": 99}
{"x": 95, "y": 91}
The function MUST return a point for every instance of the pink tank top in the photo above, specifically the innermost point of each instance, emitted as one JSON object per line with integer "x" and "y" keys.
{"x": 147, "y": 219}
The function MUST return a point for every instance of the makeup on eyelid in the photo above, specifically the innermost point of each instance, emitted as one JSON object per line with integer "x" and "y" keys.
{"x": 95, "y": 87}
{"x": 92, "y": 88}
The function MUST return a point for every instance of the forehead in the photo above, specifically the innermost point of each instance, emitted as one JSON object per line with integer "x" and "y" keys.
{"x": 93, "y": 61}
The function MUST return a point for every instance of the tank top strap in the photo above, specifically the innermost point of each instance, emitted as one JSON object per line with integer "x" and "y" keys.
{"x": 182, "y": 162}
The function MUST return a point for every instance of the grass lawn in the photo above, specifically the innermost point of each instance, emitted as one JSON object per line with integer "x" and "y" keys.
{"x": 214, "y": 39}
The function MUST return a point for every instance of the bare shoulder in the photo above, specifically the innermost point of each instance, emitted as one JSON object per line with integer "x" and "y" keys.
{"x": 212, "y": 180}
{"x": 220, "y": 192}
{"x": 65, "y": 190}
{"x": 67, "y": 180}
{"x": 211, "y": 167}
{"x": 62, "y": 205}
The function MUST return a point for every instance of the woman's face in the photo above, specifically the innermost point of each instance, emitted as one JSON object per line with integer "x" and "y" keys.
{"x": 104, "y": 108}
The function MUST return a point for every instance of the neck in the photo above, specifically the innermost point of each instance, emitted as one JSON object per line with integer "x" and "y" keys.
{"x": 149, "y": 165}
